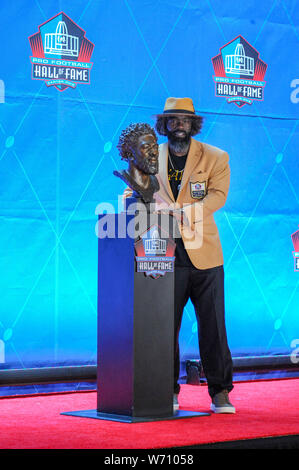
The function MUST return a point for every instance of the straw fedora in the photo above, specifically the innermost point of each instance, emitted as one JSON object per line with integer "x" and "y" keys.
{"x": 178, "y": 106}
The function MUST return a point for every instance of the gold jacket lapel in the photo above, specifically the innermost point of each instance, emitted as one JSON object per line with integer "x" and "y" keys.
{"x": 193, "y": 158}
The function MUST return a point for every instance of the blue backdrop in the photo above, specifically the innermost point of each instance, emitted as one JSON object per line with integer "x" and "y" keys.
{"x": 58, "y": 152}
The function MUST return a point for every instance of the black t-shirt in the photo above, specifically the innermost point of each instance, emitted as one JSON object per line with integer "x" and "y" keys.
{"x": 176, "y": 167}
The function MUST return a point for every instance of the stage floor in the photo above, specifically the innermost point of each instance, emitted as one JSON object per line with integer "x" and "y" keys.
{"x": 266, "y": 408}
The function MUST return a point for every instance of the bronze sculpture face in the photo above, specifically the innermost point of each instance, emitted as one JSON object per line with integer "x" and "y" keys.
{"x": 138, "y": 146}
{"x": 145, "y": 154}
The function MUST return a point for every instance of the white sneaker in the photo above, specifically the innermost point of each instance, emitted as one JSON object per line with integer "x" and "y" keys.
{"x": 221, "y": 403}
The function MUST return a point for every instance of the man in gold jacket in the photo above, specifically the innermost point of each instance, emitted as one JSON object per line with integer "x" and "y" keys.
{"x": 194, "y": 181}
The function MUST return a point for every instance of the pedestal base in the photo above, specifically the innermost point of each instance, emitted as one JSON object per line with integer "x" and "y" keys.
{"x": 131, "y": 419}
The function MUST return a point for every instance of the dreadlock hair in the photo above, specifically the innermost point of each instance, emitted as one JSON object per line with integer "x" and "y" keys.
{"x": 195, "y": 127}
{"x": 129, "y": 137}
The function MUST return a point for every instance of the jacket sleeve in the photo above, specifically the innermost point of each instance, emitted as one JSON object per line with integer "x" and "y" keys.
{"x": 217, "y": 191}
{"x": 218, "y": 186}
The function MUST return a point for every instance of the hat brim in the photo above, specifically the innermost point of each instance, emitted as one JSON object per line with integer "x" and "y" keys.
{"x": 178, "y": 112}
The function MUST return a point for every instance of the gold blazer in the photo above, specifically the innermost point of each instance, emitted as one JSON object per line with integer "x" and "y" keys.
{"x": 204, "y": 189}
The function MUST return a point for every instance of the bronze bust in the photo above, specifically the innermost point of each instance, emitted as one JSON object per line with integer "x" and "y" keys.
{"x": 138, "y": 146}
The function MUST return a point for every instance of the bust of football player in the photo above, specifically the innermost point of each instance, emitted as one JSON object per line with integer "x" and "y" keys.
{"x": 138, "y": 146}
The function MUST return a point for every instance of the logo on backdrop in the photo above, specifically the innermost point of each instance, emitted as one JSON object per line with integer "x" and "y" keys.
{"x": 155, "y": 255}
{"x": 61, "y": 53}
{"x": 239, "y": 73}
{"x": 295, "y": 240}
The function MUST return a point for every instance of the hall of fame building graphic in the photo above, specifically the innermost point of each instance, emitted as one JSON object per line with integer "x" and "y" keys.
{"x": 61, "y": 53}
{"x": 239, "y": 73}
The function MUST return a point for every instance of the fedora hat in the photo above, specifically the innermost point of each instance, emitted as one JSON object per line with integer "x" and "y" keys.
{"x": 178, "y": 106}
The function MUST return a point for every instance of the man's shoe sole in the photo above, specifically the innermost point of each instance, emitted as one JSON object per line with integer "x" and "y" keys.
{"x": 223, "y": 409}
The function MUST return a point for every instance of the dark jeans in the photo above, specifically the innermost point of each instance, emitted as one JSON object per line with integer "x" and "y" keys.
{"x": 205, "y": 288}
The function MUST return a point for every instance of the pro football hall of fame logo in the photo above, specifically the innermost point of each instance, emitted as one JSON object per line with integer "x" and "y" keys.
{"x": 61, "y": 53}
{"x": 154, "y": 254}
{"x": 239, "y": 73}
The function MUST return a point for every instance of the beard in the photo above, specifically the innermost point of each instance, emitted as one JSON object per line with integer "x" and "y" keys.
{"x": 179, "y": 143}
{"x": 152, "y": 169}
{"x": 150, "y": 165}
